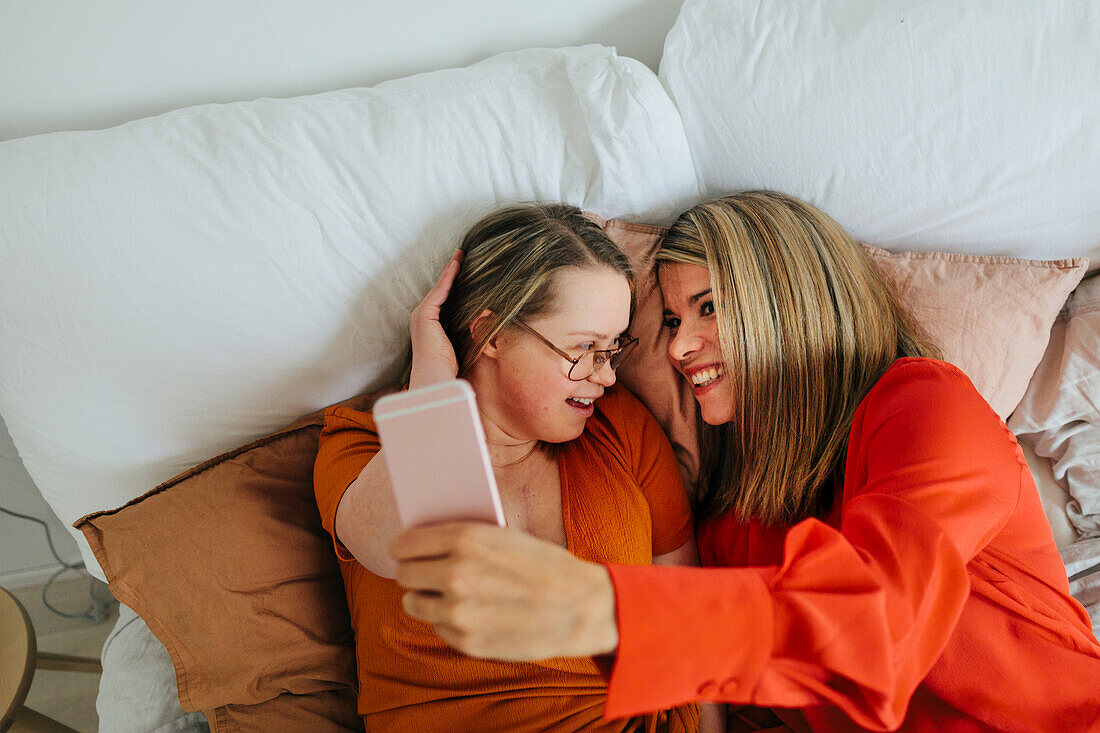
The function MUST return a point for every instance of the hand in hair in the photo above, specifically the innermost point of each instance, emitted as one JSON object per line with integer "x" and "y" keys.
{"x": 502, "y": 594}
{"x": 433, "y": 356}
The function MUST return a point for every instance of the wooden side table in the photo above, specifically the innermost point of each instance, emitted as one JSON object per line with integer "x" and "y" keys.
{"x": 19, "y": 657}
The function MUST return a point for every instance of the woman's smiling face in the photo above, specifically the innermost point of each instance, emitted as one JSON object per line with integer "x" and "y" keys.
{"x": 693, "y": 347}
{"x": 534, "y": 396}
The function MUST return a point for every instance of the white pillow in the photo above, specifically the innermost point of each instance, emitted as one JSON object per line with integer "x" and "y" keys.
{"x": 178, "y": 285}
{"x": 927, "y": 125}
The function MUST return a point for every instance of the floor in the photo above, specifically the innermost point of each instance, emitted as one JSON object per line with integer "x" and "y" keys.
{"x": 67, "y": 697}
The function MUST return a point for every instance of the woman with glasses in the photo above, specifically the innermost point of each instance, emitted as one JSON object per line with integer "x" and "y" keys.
{"x": 878, "y": 557}
{"x": 536, "y": 321}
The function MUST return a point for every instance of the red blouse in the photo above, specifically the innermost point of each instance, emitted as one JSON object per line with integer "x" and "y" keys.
{"x": 932, "y": 598}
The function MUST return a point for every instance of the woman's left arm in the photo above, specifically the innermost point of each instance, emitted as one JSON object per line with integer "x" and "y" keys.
{"x": 712, "y": 715}
{"x": 854, "y": 617}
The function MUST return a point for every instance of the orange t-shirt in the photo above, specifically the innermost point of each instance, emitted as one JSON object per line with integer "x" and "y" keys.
{"x": 623, "y": 501}
{"x": 932, "y": 598}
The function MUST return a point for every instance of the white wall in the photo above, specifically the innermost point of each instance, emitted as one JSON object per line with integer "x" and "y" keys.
{"x": 24, "y": 553}
{"x": 89, "y": 64}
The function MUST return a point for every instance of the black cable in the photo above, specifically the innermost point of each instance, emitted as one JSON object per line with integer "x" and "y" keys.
{"x": 1085, "y": 572}
{"x": 99, "y": 608}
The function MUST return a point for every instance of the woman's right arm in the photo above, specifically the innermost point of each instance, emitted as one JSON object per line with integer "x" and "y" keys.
{"x": 366, "y": 518}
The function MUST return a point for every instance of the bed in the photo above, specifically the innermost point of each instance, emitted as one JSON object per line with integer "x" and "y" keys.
{"x": 214, "y": 220}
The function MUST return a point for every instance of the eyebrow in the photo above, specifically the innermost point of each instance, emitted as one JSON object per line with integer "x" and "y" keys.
{"x": 587, "y": 333}
{"x": 693, "y": 299}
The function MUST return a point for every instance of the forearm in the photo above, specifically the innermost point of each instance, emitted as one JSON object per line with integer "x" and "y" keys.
{"x": 712, "y": 716}
{"x": 753, "y": 635}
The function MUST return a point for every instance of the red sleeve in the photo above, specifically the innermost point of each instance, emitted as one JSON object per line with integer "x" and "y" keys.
{"x": 348, "y": 442}
{"x": 645, "y": 448}
{"x": 855, "y": 617}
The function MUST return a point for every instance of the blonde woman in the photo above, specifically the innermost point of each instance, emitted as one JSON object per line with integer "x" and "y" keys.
{"x": 882, "y": 561}
{"x": 536, "y": 322}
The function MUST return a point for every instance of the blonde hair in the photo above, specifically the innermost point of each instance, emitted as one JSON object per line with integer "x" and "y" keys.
{"x": 806, "y": 327}
{"x": 510, "y": 261}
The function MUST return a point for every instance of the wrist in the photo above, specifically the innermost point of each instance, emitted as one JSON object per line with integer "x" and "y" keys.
{"x": 605, "y": 625}
{"x": 424, "y": 378}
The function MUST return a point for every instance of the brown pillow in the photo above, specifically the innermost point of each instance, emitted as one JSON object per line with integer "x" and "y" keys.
{"x": 319, "y": 711}
{"x": 990, "y": 316}
{"x": 229, "y": 566}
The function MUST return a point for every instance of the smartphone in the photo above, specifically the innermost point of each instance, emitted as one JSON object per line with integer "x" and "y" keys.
{"x": 436, "y": 455}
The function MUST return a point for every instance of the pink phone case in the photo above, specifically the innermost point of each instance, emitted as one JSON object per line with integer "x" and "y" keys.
{"x": 436, "y": 455}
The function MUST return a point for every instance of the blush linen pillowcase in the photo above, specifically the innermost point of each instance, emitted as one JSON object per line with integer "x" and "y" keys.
{"x": 229, "y": 566}
{"x": 648, "y": 373}
{"x": 990, "y": 316}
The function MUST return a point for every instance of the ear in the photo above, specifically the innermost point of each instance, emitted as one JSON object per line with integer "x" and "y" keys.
{"x": 477, "y": 330}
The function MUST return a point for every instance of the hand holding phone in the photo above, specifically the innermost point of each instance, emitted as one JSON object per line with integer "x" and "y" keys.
{"x": 436, "y": 455}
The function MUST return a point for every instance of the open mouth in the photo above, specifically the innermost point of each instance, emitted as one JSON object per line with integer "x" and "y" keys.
{"x": 703, "y": 379}
{"x": 582, "y": 404}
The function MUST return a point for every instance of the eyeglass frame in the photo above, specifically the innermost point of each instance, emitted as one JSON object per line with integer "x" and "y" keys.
{"x": 628, "y": 347}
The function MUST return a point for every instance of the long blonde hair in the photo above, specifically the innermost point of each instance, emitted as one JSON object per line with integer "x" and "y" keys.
{"x": 806, "y": 327}
{"x": 510, "y": 261}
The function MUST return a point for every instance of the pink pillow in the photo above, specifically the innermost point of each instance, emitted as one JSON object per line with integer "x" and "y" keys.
{"x": 648, "y": 373}
{"x": 990, "y": 316}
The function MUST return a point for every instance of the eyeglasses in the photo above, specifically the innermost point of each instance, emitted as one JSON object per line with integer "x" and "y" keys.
{"x": 583, "y": 367}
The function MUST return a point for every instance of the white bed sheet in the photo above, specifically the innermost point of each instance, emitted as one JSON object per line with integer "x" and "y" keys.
{"x": 137, "y": 692}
